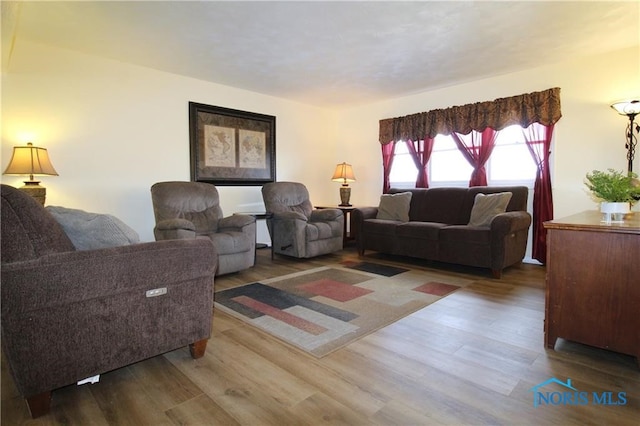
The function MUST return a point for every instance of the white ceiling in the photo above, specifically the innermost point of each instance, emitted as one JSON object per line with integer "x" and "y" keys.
{"x": 328, "y": 54}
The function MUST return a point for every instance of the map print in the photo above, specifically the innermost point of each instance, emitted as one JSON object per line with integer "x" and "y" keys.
{"x": 253, "y": 154}
{"x": 219, "y": 146}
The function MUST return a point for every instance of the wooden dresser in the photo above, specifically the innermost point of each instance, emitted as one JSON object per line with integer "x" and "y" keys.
{"x": 593, "y": 282}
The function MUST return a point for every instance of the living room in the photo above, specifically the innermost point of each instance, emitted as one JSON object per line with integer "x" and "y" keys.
{"x": 113, "y": 129}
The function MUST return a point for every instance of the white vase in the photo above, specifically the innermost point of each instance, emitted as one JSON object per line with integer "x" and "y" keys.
{"x": 614, "y": 212}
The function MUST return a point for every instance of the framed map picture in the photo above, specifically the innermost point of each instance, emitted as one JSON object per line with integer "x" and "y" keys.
{"x": 231, "y": 147}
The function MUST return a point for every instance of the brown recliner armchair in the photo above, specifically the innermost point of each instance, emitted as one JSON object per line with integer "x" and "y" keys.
{"x": 69, "y": 314}
{"x": 192, "y": 209}
{"x": 296, "y": 229}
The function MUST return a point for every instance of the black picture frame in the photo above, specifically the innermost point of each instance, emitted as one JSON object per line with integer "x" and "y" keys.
{"x": 231, "y": 147}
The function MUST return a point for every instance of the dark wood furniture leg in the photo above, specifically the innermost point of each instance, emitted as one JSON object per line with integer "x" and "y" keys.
{"x": 550, "y": 340}
{"x": 40, "y": 404}
{"x": 198, "y": 348}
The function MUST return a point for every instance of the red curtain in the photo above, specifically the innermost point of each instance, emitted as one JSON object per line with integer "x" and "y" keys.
{"x": 421, "y": 152}
{"x": 476, "y": 148}
{"x": 387, "y": 161}
{"x": 538, "y": 139}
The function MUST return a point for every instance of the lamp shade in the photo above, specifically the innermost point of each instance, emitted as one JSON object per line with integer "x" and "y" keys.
{"x": 631, "y": 107}
{"x": 30, "y": 160}
{"x": 343, "y": 173}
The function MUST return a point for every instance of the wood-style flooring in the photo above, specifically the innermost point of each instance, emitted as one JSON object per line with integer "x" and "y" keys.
{"x": 471, "y": 358}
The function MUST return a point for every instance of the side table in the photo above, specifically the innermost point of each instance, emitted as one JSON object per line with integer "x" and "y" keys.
{"x": 592, "y": 294}
{"x": 258, "y": 216}
{"x": 346, "y": 210}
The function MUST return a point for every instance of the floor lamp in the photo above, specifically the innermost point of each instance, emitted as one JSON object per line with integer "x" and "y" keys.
{"x": 630, "y": 109}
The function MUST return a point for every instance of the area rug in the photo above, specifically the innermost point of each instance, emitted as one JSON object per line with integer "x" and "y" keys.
{"x": 323, "y": 309}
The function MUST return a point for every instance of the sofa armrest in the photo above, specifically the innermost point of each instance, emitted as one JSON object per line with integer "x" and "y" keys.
{"x": 509, "y": 234}
{"x": 358, "y": 216}
{"x": 509, "y": 222}
{"x": 174, "y": 229}
{"x": 72, "y": 315}
{"x": 363, "y": 213}
{"x": 73, "y": 277}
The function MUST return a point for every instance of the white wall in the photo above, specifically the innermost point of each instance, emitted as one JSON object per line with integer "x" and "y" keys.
{"x": 590, "y": 135}
{"x": 113, "y": 129}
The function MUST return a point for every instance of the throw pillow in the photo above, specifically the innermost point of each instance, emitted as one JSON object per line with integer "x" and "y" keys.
{"x": 487, "y": 206}
{"x": 89, "y": 231}
{"x": 394, "y": 206}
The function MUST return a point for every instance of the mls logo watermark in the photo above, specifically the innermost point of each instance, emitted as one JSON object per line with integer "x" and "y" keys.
{"x": 572, "y": 396}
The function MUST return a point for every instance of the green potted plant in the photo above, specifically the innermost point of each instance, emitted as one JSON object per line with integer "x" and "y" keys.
{"x": 616, "y": 191}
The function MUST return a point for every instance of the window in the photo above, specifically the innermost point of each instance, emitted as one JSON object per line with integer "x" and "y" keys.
{"x": 510, "y": 163}
{"x": 403, "y": 170}
{"x": 447, "y": 166}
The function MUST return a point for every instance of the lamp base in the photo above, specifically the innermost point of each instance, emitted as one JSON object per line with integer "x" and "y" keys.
{"x": 34, "y": 189}
{"x": 345, "y": 195}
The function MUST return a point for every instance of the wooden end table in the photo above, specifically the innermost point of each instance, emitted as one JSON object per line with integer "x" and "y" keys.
{"x": 346, "y": 210}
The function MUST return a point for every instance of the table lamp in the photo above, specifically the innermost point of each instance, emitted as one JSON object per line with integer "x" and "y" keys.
{"x": 344, "y": 174}
{"x": 31, "y": 160}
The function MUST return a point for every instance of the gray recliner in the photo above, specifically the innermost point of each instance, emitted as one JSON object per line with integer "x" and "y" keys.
{"x": 185, "y": 210}
{"x": 296, "y": 229}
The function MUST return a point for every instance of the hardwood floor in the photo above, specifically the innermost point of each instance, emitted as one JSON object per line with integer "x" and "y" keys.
{"x": 470, "y": 358}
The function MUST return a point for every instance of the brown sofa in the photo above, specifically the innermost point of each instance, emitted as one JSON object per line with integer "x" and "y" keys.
{"x": 70, "y": 314}
{"x": 438, "y": 228}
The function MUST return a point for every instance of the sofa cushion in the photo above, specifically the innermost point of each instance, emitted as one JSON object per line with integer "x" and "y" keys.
{"x": 465, "y": 234}
{"x": 487, "y": 206}
{"x": 380, "y": 226}
{"x": 518, "y": 202}
{"x": 421, "y": 230}
{"x": 440, "y": 205}
{"x": 89, "y": 231}
{"x": 466, "y": 245}
{"x": 394, "y": 206}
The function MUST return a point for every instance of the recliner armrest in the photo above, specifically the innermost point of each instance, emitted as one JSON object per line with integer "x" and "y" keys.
{"x": 236, "y": 221}
{"x": 177, "y": 223}
{"x": 174, "y": 229}
{"x": 289, "y": 216}
{"x": 324, "y": 215}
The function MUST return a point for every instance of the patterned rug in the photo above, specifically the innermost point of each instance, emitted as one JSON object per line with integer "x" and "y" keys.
{"x": 326, "y": 308}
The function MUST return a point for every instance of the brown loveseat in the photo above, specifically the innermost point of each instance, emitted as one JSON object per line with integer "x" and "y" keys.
{"x": 438, "y": 228}
{"x": 71, "y": 314}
